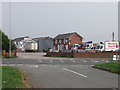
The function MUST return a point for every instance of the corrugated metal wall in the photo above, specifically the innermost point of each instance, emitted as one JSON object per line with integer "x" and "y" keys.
{"x": 44, "y": 44}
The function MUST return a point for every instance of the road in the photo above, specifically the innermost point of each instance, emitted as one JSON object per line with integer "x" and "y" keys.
{"x": 47, "y": 72}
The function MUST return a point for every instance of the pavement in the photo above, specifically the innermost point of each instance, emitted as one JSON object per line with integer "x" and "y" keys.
{"x": 47, "y": 72}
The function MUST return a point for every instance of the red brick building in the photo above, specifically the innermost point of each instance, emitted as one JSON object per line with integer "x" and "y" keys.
{"x": 65, "y": 41}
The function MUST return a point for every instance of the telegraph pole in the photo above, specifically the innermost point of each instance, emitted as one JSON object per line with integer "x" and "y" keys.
{"x": 10, "y": 29}
{"x": 113, "y": 36}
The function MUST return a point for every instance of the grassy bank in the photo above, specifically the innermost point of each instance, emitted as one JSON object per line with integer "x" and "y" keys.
{"x": 12, "y": 78}
{"x": 111, "y": 67}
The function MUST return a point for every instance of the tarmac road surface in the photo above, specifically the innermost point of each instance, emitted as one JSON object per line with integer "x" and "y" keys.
{"x": 45, "y": 72}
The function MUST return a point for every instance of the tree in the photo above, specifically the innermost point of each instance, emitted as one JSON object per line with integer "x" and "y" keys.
{"x": 6, "y": 42}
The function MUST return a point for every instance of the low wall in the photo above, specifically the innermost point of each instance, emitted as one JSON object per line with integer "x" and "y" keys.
{"x": 84, "y": 54}
{"x": 4, "y": 53}
{"x": 94, "y": 55}
{"x": 59, "y": 54}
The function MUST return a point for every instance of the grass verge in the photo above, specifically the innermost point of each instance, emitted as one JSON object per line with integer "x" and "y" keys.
{"x": 60, "y": 56}
{"x": 8, "y": 57}
{"x": 113, "y": 67}
{"x": 12, "y": 78}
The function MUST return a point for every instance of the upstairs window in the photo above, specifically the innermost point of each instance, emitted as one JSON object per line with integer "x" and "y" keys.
{"x": 64, "y": 41}
{"x": 55, "y": 41}
{"x": 60, "y": 41}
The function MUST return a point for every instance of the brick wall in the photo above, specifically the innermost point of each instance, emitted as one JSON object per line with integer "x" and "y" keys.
{"x": 75, "y": 39}
{"x": 94, "y": 55}
{"x": 59, "y": 54}
{"x": 4, "y": 53}
{"x": 84, "y": 54}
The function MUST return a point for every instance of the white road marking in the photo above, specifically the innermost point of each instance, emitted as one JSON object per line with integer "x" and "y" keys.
{"x": 54, "y": 66}
{"x": 33, "y": 66}
{"x": 29, "y": 65}
{"x": 51, "y": 60}
{"x": 74, "y": 72}
{"x": 96, "y": 61}
{"x": 36, "y": 66}
{"x": 20, "y": 64}
{"x": 73, "y": 61}
{"x": 25, "y": 57}
{"x": 11, "y": 65}
{"x": 61, "y": 60}
{"x": 85, "y": 61}
{"x": 107, "y": 61}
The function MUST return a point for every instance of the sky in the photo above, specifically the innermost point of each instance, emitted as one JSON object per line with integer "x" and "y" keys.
{"x": 0, "y": 15}
{"x": 92, "y": 20}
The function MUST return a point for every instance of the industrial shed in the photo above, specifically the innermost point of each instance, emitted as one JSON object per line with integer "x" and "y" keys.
{"x": 44, "y": 43}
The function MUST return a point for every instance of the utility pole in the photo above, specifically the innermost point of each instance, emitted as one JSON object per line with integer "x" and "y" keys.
{"x": 113, "y": 37}
{"x": 10, "y": 28}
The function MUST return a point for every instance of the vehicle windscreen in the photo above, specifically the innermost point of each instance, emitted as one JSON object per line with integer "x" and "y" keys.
{"x": 101, "y": 47}
{"x": 97, "y": 47}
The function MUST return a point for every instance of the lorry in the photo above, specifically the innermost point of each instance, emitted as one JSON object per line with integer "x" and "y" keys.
{"x": 31, "y": 47}
{"x": 108, "y": 46}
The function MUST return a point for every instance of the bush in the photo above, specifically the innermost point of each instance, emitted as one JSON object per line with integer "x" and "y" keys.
{"x": 5, "y": 42}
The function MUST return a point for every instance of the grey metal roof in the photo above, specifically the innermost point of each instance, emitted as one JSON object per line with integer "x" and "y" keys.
{"x": 42, "y": 38}
{"x": 64, "y": 36}
{"x": 19, "y": 39}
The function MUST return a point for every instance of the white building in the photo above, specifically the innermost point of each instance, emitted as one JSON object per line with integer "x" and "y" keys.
{"x": 22, "y": 43}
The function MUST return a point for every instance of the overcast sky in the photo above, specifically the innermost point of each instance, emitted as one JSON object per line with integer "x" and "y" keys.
{"x": 93, "y": 21}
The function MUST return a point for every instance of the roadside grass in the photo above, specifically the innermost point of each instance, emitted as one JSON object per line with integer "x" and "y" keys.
{"x": 60, "y": 56}
{"x": 113, "y": 67}
{"x": 11, "y": 78}
{"x": 8, "y": 57}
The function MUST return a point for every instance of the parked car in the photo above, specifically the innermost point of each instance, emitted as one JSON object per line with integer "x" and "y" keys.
{"x": 44, "y": 50}
{"x": 54, "y": 50}
{"x": 66, "y": 51}
{"x": 76, "y": 47}
{"x": 81, "y": 50}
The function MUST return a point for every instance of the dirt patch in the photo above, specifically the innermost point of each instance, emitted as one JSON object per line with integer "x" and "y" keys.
{"x": 25, "y": 80}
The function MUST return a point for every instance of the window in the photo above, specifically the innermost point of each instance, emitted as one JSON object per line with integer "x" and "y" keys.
{"x": 55, "y": 41}
{"x": 59, "y": 41}
{"x": 64, "y": 41}
{"x": 58, "y": 47}
{"x": 66, "y": 46}
{"x": 101, "y": 47}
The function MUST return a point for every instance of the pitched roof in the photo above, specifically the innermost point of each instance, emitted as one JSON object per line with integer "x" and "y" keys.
{"x": 20, "y": 38}
{"x": 42, "y": 38}
{"x": 66, "y": 35}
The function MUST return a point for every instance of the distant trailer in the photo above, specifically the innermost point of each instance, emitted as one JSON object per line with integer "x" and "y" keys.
{"x": 108, "y": 46}
{"x": 111, "y": 46}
